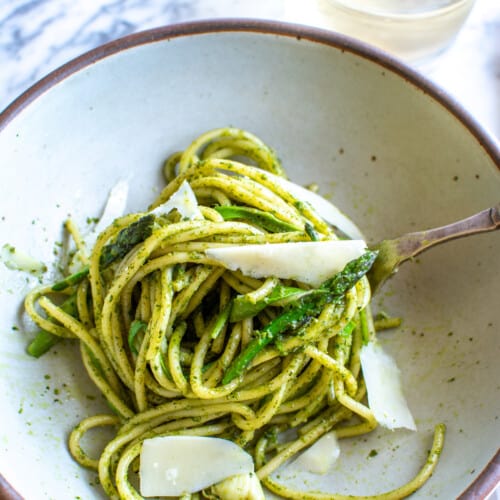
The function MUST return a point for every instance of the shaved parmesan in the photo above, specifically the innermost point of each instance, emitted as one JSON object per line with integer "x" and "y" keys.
{"x": 309, "y": 262}
{"x": 329, "y": 212}
{"x": 115, "y": 207}
{"x": 240, "y": 487}
{"x": 177, "y": 465}
{"x": 319, "y": 457}
{"x": 383, "y": 384}
{"x": 184, "y": 201}
{"x": 18, "y": 260}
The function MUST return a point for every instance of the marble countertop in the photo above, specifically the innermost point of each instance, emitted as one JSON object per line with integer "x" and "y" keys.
{"x": 37, "y": 36}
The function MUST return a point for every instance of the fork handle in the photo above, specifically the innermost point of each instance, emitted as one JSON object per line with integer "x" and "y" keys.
{"x": 412, "y": 244}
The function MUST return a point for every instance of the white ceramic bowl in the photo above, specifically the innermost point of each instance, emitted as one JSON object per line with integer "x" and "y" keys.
{"x": 388, "y": 147}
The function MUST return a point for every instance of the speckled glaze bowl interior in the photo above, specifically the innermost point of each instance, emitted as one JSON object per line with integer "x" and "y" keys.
{"x": 386, "y": 146}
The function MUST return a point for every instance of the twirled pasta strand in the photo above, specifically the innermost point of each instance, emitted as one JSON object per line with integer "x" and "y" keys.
{"x": 167, "y": 379}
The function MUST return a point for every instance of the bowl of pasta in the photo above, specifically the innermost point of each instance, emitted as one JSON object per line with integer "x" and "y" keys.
{"x": 186, "y": 310}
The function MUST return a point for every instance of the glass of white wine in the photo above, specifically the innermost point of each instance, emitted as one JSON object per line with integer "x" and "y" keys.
{"x": 413, "y": 30}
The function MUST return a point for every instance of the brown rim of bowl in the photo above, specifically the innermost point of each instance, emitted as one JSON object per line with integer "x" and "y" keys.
{"x": 489, "y": 477}
{"x": 7, "y": 492}
{"x": 312, "y": 34}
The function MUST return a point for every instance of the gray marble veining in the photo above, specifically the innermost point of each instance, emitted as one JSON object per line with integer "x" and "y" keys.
{"x": 37, "y": 36}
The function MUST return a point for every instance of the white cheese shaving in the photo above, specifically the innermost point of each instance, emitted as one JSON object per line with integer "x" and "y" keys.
{"x": 320, "y": 457}
{"x": 115, "y": 207}
{"x": 17, "y": 260}
{"x": 177, "y": 465}
{"x": 383, "y": 385}
{"x": 184, "y": 201}
{"x": 309, "y": 262}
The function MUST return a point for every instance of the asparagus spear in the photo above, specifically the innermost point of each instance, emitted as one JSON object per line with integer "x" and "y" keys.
{"x": 127, "y": 238}
{"x": 311, "y": 232}
{"x": 44, "y": 340}
{"x": 258, "y": 217}
{"x": 244, "y": 308}
{"x": 71, "y": 280}
{"x": 306, "y": 309}
{"x": 221, "y": 321}
{"x": 135, "y": 327}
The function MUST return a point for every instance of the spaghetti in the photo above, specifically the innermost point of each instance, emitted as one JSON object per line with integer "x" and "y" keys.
{"x": 159, "y": 336}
